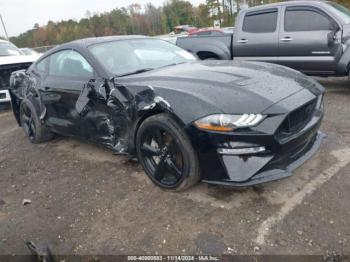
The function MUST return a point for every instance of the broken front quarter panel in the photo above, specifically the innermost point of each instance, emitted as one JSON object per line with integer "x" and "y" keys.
{"x": 114, "y": 125}
{"x": 22, "y": 87}
{"x": 109, "y": 111}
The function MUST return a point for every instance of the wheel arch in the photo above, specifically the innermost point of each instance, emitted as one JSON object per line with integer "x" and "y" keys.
{"x": 207, "y": 55}
{"x": 34, "y": 101}
{"x": 219, "y": 50}
{"x": 146, "y": 115}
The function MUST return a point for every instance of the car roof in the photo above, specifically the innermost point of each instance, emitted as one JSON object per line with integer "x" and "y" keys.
{"x": 95, "y": 40}
{"x": 86, "y": 42}
{"x": 81, "y": 44}
{"x": 3, "y": 41}
{"x": 296, "y": 2}
{"x": 208, "y": 29}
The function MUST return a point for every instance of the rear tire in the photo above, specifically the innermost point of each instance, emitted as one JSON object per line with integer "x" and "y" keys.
{"x": 30, "y": 121}
{"x": 166, "y": 154}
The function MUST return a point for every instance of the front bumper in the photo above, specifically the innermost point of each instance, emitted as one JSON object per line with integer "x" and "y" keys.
{"x": 268, "y": 175}
{"x": 4, "y": 96}
{"x": 281, "y": 156}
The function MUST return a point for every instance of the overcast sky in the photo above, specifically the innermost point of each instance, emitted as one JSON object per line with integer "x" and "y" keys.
{"x": 21, "y": 15}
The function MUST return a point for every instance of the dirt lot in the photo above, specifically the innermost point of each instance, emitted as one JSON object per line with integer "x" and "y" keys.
{"x": 87, "y": 201}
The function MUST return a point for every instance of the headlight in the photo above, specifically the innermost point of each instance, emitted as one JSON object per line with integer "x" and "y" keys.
{"x": 226, "y": 123}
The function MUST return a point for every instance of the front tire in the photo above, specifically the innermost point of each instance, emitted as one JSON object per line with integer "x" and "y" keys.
{"x": 166, "y": 154}
{"x": 35, "y": 131}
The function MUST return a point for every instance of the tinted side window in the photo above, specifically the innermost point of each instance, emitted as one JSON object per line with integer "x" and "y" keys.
{"x": 69, "y": 63}
{"x": 204, "y": 33}
{"x": 306, "y": 20}
{"x": 216, "y": 33}
{"x": 260, "y": 22}
{"x": 41, "y": 66}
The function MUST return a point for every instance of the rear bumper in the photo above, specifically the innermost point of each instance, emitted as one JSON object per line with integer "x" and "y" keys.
{"x": 4, "y": 96}
{"x": 268, "y": 175}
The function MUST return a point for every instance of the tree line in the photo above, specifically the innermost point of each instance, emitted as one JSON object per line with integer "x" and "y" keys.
{"x": 135, "y": 19}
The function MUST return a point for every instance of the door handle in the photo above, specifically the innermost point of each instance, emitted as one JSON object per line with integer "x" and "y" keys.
{"x": 286, "y": 39}
{"x": 242, "y": 41}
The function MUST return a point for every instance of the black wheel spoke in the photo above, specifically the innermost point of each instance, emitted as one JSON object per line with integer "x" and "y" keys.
{"x": 172, "y": 148}
{"x": 177, "y": 172}
{"x": 158, "y": 137}
{"x": 150, "y": 150}
{"x": 162, "y": 156}
{"x": 160, "y": 170}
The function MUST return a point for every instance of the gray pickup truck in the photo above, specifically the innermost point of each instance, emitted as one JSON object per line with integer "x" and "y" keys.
{"x": 309, "y": 36}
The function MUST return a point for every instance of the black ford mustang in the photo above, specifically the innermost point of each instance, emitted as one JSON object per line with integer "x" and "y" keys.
{"x": 222, "y": 122}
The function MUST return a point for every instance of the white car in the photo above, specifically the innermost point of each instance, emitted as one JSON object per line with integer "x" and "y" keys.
{"x": 11, "y": 59}
{"x": 30, "y": 51}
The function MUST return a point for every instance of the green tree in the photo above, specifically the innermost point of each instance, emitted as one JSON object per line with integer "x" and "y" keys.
{"x": 178, "y": 12}
{"x": 134, "y": 20}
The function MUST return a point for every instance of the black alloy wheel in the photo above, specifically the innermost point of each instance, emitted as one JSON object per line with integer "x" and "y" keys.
{"x": 31, "y": 123}
{"x": 162, "y": 156}
{"x": 166, "y": 153}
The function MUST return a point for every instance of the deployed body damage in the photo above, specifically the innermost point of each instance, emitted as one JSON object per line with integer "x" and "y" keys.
{"x": 113, "y": 127}
{"x": 177, "y": 117}
{"x": 110, "y": 111}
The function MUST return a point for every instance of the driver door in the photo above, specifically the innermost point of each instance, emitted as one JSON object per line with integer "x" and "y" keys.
{"x": 68, "y": 72}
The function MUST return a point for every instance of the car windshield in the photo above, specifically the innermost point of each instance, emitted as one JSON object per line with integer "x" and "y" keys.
{"x": 8, "y": 49}
{"x": 133, "y": 56}
{"x": 341, "y": 11}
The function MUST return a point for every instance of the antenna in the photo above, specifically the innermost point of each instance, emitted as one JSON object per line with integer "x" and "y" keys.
{"x": 3, "y": 25}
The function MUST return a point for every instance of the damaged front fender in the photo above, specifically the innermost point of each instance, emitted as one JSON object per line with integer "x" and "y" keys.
{"x": 111, "y": 112}
{"x": 24, "y": 87}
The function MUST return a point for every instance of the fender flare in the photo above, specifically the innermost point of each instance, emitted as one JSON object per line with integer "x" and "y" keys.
{"x": 219, "y": 49}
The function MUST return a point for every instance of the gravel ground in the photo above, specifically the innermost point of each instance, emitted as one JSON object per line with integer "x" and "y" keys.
{"x": 86, "y": 201}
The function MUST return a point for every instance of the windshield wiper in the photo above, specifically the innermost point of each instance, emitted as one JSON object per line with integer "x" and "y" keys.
{"x": 147, "y": 69}
{"x": 136, "y": 72}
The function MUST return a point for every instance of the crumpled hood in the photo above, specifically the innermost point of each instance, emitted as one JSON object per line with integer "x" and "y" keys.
{"x": 9, "y": 60}
{"x": 224, "y": 86}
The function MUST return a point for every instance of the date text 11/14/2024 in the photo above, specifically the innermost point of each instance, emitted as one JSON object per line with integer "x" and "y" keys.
{"x": 173, "y": 258}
